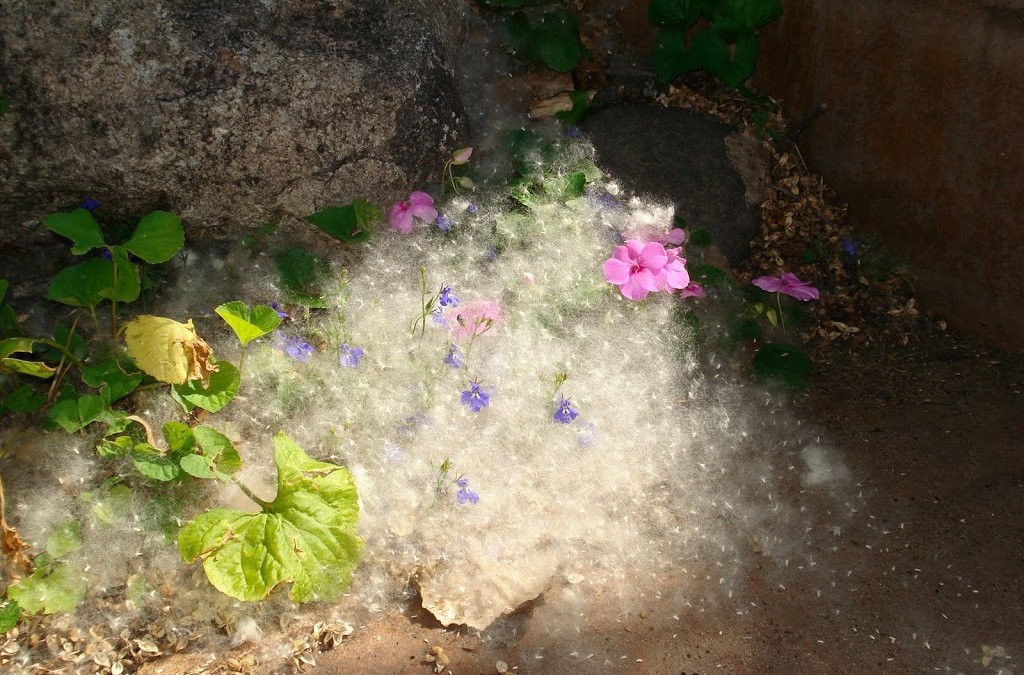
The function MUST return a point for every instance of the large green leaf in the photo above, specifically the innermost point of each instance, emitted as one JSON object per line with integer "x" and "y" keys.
{"x": 306, "y": 536}
{"x": 680, "y": 13}
{"x": 223, "y": 386}
{"x": 249, "y": 324}
{"x": 65, "y": 538}
{"x": 24, "y": 399}
{"x": 154, "y": 464}
{"x": 23, "y": 345}
{"x": 157, "y": 238}
{"x": 123, "y": 283}
{"x": 119, "y": 380}
{"x": 83, "y": 285}
{"x": 667, "y": 54}
{"x": 80, "y": 227}
{"x": 74, "y": 414}
{"x": 351, "y": 224}
{"x": 219, "y": 458}
{"x": 738, "y": 70}
{"x": 9, "y": 615}
{"x": 303, "y": 277}
{"x": 49, "y": 590}
{"x": 744, "y": 15}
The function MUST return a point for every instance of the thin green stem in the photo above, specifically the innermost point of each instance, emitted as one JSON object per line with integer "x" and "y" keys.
{"x": 249, "y": 493}
{"x": 778, "y": 303}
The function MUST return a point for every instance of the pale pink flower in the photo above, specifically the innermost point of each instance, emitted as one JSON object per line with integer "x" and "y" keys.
{"x": 674, "y": 272}
{"x": 461, "y": 156}
{"x": 636, "y": 268}
{"x": 648, "y": 233}
{"x": 417, "y": 205}
{"x": 692, "y": 290}
{"x": 475, "y": 318}
{"x": 787, "y": 284}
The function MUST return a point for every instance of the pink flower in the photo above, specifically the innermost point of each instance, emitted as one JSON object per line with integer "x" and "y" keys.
{"x": 461, "y": 156}
{"x": 475, "y": 318}
{"x": 636, "y": 268}
{"x": 674, "y": 271}
{"x": 787, "y": 284}
{"x": 692, "y": 290}
{"x": 418, "y": 205}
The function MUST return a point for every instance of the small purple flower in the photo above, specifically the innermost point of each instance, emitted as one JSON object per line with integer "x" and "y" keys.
{"x": 465, "y": 495}
{"x": 850, "y": 247}
{"x": 472, "y": 208}
{"x": 89, "y": 204}
{"x": 446, "y": 298}
{"x": 297, "y": 348}
{"x": 572, "y": 131}
{"x": 587, "y": 435}
{"x": 444, "y": 223}
{"x": 439, "y": 318}
{"x": 350, "y": 356}
{"x": 106, "y": 254}
{"x": 475, "y": 397}
{"x": 492, "y": 253}
{"x": 564, "y": 412}
{"x": 453, "y": 358}
{"x": 276, "y": 306}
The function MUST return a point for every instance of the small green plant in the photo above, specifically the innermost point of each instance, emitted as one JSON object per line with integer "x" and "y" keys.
{"x": 55, "y": 586}
{"x": 725, "y": 44}
{"x": 309, "y": 531}
{"x": 553, "y": 37}
{"x": 353, "y": 223}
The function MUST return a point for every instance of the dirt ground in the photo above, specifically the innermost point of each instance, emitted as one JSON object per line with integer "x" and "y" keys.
{"x": 927, "y": 579}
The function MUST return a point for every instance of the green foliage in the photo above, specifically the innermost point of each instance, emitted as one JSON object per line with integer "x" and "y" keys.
{"x": 114, "y": 379}
{"x": 200, "y": 452}
{"x": 700, "y": 237}
{"x": 75, "y": 413}
{"x": 710, "y": 276}
{"x": 727, "y": 47}
{"x": 55, "y": 586}
{"x": 22, "y": 345}
{"x": 156, "y": 239}
{"x": 24, "y": 399}
{"x": 9, "y": 326}
{"x": 9, "y": 615}
{"x": 309, "y": 532}
{"x": 580, "y": 100}
{"x": 303, "y": 277}
{"x": 222, "y": 387}
{"x": 553, "y": 39}
{"x": 786, "y": 364}
{"x": 352, "y": 224}
{"x": 248, "y": 324}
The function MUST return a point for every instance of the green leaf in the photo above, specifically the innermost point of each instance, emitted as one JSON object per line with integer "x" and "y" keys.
{"x": 343, "y": 222}
{"x": 700, "y": 237}
{"x": 223, "y": 386}
{"x": 9, "y": 615}
{"x": 570, "y": 187}
{"x": 303, "y": 276}
{"x": 118, "y": 379}
{"x": 123, "y": 282}
{"x": 82, "y": 285}
{"x": 76, "y": 413}
{"x": 23, "y": 345}
{"x": 306, "y": 536}
{"x": 248, "y": 324}
{"x": 25, "y": 399}
{"x": 710, "y": 276}
{"x": 80, "y": 227}
{"x": 559, "y": 43}
{"x": 744, "y": 58}
{"x": 580, "y": 100}
{"x": 49, "y": 590}
{"x": 745, "y": 15}
{"x": 681, "y": 13}
{"x": 116, "y": 447}
{"x": 786, "y": 364}
{"x": 157, "y": 238}
{"x": 154, "y": 464}
{"x": 218, "y": 450}
{"x": 65, "y": 538}
{"x": 179, "y": 437}
{"x": 4, "y": 285}
{"x": 111, "y": 502}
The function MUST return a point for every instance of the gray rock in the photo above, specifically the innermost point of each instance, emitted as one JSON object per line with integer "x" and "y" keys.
{"x": 230, "y": 113}
{"x": 677, "y": 155}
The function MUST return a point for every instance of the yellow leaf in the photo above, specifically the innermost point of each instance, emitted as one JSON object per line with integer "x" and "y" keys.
{"x": 169, "y": 351}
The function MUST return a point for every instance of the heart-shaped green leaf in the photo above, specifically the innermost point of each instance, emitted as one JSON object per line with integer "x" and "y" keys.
{"x": 80, "y": 227}
{"x": 680, "y": 13}
{"x": 119, "y": 380}
{"x": 83, "y": 285}
{"x": 50, "y": 590}
{"x": 223, "y": 386}
{"x": 351, "y": 224}
{"x": 74, "y": 414}
{"x": 306, "y": 536}
{"x": 9, "y": 615}
{"x": 249, "y": 324}
{"x": 157, "y": 238}
{"x": 124, "y": 278}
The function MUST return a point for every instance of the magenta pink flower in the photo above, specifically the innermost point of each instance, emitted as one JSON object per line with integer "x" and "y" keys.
{"x": 674, "y": 271}
{"x": 417, "y": 205}
{"x": 636, "y": 268}
{"x": 787, "y": 284}
{"x": 475, "y": 318}
{"x": 692, "y": 290}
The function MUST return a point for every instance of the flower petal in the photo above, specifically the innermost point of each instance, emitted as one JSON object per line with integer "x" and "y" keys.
{"x": 634, "y": 289}
{"x": 616, "y": 271}
{"x": 653, "y": 256}
{"x": 770, "y": 284}
{"x": 400, "y": 218}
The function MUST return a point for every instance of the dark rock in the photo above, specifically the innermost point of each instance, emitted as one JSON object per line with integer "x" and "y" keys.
{"x": 229, "y": 113}
{"x": 709, "y": 173}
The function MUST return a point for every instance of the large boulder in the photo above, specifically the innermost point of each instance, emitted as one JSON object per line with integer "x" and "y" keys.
{"x": 230, "y": 113}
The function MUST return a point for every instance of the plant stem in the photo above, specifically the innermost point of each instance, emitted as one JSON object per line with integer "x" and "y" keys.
{"x": 778, "y": 303}
{"x": 249, "y": 493}
{"x": 58, "y": 377}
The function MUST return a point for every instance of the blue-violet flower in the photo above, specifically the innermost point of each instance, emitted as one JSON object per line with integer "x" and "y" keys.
{"x": 89, "y": 204}
{"x": 465, "y": 495}
{"x": 475, "y": 397}
{"x": 453, "y": 358}
{"x": 444, "y": 223}
{"x": 350, "y": 356}
{"x": 564, "y": 412}
{"x": 446, "y": 298}
{"x": 297, "y": 348}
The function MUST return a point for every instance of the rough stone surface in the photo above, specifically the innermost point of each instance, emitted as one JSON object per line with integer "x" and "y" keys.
{"x": 677, "y": 155}
{"x": 231, "y": 113}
